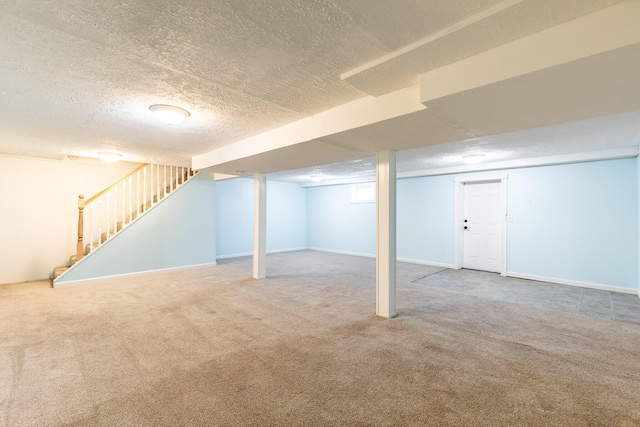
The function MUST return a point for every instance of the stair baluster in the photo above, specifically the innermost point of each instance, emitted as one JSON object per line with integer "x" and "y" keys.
{"x": 99, "y": 224}
{"x": 144, "y": 191}
{"x": 90, "y": 226}
{"x": 138, "y": 196}
{"x": 124, "y": 200}
{"x": 80, "y": 244}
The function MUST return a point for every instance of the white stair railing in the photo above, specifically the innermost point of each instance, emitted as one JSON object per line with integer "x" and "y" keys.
{"x": 125, "y": 201}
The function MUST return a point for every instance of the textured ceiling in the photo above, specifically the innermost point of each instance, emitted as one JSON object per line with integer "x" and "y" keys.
{"x": 77, "y": 76}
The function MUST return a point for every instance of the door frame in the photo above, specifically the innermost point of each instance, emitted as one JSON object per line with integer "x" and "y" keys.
{"x": 458, "y": 215}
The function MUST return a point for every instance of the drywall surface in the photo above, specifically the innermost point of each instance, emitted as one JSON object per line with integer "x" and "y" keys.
{"x": 286, "y": 216}
{"x": 177, "y": 232}
{"x": 425, "y": 219}
{"x": 334, "y": 223}
{"x": 234, "y": 216}
{"x": 39, "y": 211}
{"x": 576, "y": 222}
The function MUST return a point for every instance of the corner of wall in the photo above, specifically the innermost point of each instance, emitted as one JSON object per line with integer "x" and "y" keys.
{"x": 638, "y": 219}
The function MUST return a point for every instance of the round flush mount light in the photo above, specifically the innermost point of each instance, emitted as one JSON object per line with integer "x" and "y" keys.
{"x": 109, "y": 157}
{"x": 169, "y": 114}
{"x": 316, "y": 176}
{"x": 473, "y": 158}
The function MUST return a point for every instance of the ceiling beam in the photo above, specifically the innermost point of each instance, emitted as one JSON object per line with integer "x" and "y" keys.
{"x": 355, "y": 114}
{"x": 604, "y": 30}
{"x": 470, "y": 20}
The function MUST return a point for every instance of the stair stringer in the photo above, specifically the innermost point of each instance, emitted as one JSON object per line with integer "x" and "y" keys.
{"x": 178, "y": 231}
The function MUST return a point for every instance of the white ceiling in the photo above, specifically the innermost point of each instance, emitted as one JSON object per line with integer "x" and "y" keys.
{"x": 78, "y": 76}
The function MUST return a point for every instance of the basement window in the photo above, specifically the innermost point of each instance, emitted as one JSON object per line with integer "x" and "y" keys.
{"x": 363, "y": 193}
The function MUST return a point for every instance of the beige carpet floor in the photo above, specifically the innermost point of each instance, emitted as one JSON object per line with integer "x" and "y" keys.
{"x": 210, "y": 346}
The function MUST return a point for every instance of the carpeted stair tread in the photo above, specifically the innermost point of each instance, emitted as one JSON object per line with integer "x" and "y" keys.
{"x": 59, "y": 270}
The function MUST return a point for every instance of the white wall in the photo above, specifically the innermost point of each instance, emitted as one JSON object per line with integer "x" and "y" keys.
{"x": 39, "y": 211}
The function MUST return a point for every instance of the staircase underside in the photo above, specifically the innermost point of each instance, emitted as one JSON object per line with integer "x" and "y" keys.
{"x": 134, "y": 216}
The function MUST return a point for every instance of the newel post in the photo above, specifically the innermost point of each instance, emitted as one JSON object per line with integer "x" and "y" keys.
{"x": 80, "y": 247}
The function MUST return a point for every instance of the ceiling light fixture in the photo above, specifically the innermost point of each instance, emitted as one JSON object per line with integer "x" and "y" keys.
{"x": 473, "y": 158}
{"x": 169, "y": 114}
{"x": 316, "y": 176}
{"x": 109, "y": 157}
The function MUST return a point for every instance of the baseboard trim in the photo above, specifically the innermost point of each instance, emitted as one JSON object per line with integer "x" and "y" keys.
{"x": 409, "y": 260}
{"x": 429, "y": 263}
{"x": 277, "y": 251}
{"x": 569, "y": 282}
{"x": 234, "y": 255}
{"x": 335, "y": 251}
{"x": 102, "y": 279}
{"x": 272, "y": 251}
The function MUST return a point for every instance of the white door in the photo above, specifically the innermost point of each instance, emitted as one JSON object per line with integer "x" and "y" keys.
{"x": 482, "y": 227}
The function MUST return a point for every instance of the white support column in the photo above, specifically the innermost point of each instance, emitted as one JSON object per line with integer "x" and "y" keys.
{"x": 259, "y": 226}
{"x": 386, "y": 235}
{"x": 214, "y": 254}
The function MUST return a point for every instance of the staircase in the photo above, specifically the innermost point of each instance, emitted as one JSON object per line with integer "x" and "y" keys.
{"x": 105, "y": 214}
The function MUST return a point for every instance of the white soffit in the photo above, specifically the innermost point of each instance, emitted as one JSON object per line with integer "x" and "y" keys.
{"x": 596, "y": 86}
{"x": 599, "y": 32}
{"x": 314, "y": 152}
{"x": 481, "y": 29}
{"x": 599, "y": 138}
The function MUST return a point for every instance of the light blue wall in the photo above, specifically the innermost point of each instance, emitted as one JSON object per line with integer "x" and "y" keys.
{"x": 425, "y": 208}
{"x": 234, "y": 216}
{"x": 286, "y": 216}
{"x": 576, "y": 222}
{"x": 424, "y": 220}
{"x": 177, "y": 232}
{"x": 336, "y": 224}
